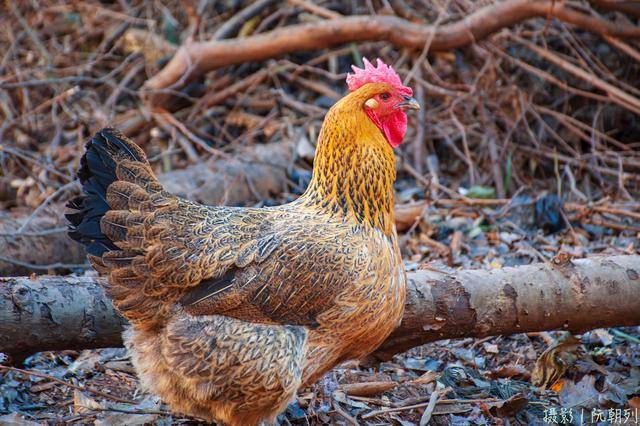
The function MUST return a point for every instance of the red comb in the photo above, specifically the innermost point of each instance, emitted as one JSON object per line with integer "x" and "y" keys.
{"x": 382, "y": 73}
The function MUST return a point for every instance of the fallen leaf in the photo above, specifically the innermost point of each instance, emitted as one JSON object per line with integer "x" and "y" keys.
{"x": 427, "y": 377}
{"x": 406, "y": 215}
{"x": 129, "y": 419}
{"x": 558, "y": 385}
{"x": 604, "y": 336}
{"x": 510, "y": 407}
{"x": 511, "y": 370}
{"x": 131, "y": 415}
{"x": 554, "y": 362}
{"x": 456, "y": 240}
{"x": 494, "y": 264}
{"x": 490, "y": 348}
{"x": 401, "y": 421}
{"x": 580, "y": 395}
{"x": 304, "y": 148}
{"x": 84, "y": 404}
{"x": 340, "y": 396}
{"x": 452, "y": 409}
{"x": 124, "y": 366}
{"x": 422, "y": 364}
{"x": 152, "y": 46}
{"x": 86, "y": 362}
{"x": 478, "y": 191}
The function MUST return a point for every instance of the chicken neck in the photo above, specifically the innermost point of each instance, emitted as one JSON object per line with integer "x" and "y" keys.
{"x": 354, "y": 167}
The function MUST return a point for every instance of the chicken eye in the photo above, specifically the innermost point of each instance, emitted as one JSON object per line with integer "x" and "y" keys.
{"x": 385, "y": 96}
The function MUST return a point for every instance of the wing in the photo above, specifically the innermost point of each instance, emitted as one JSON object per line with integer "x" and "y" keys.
{"x": 176, "y": 246}
{"x": 152, "y": 245}
{"x": 314, "y": 263}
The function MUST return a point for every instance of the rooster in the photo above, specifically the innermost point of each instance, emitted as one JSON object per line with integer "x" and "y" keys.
{"x": 232, "y": 309}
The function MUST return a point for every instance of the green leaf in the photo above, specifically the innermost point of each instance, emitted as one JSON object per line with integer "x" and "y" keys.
{"x": 357, "y": 57}
{"x": 475, "y": 231}
{"x": 507, "y": 174}
{"x": 478, "y": 191}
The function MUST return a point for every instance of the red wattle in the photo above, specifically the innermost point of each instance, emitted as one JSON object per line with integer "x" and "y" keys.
{"x": 392, "y": 126}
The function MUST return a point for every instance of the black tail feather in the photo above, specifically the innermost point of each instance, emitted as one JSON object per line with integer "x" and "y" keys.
{"x": 98, "y": 171}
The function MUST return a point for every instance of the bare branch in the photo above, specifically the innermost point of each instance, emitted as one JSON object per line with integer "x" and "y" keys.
{"x": 194, "y": 59}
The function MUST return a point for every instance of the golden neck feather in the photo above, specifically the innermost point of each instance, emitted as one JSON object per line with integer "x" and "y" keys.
{"x": 354, "y": 167}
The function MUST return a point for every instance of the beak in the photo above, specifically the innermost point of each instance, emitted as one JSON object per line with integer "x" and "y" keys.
{"x": 408, "y": 103}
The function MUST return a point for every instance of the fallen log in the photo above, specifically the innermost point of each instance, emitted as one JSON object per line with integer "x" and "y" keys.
{"x": 254, "y": 174}
{"x": 194, "y": 59}
{"x": 573, "y": 295}
{"x": 42, "y": 247}
{"x": 55, "y": 313}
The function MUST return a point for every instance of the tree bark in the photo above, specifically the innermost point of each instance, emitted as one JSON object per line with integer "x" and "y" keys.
{"x": 54, "y": 313}
{"x": 194, "y": 59}
{"x": 574, "y": 295}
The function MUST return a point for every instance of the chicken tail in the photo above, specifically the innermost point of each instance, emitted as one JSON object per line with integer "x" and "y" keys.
{"x": 110, "y": 158}
{"x": 98, "y": 169}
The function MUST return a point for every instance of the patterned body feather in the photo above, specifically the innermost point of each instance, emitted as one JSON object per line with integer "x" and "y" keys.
{"x": 233, "y": 309}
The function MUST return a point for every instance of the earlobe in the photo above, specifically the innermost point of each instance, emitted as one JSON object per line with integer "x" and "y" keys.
{"x": 371, "y": 103}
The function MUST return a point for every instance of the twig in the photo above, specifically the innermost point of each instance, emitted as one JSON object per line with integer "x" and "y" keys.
{"x": 624, "y": 335}
{"x": 612, "y": 225}
{"x": 624, "y": 6}
{"x": 217, "y": 97}
{"x": 46, "y": 202}
{"x": 232, "y": 25}
{"x": 563, "y": 158}
{"x": 315, "y": 9}
{"x": 67, "y": 384}
{"x": 431, "y": 405}
{"x": 617, "y": 95}
{"x": 465, "y": 146}
{"x": 190, "y": 135}
{"x": 427, "y": 44}
{"x": 624, "y": 47}
{"x": 32, "y": 34}
{"x": 419, "y": 141}
{"x": 585, "y": 209}
{"x": 548, "y": 77}
{"x": 343, "y": 413}
{"x": 425, "y": 404}
{"x": 583, "y": 126}
{"x": 125, "y": 411}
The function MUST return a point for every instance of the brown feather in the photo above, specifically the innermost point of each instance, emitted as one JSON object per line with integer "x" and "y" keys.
{"x": 234, "y": 309}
